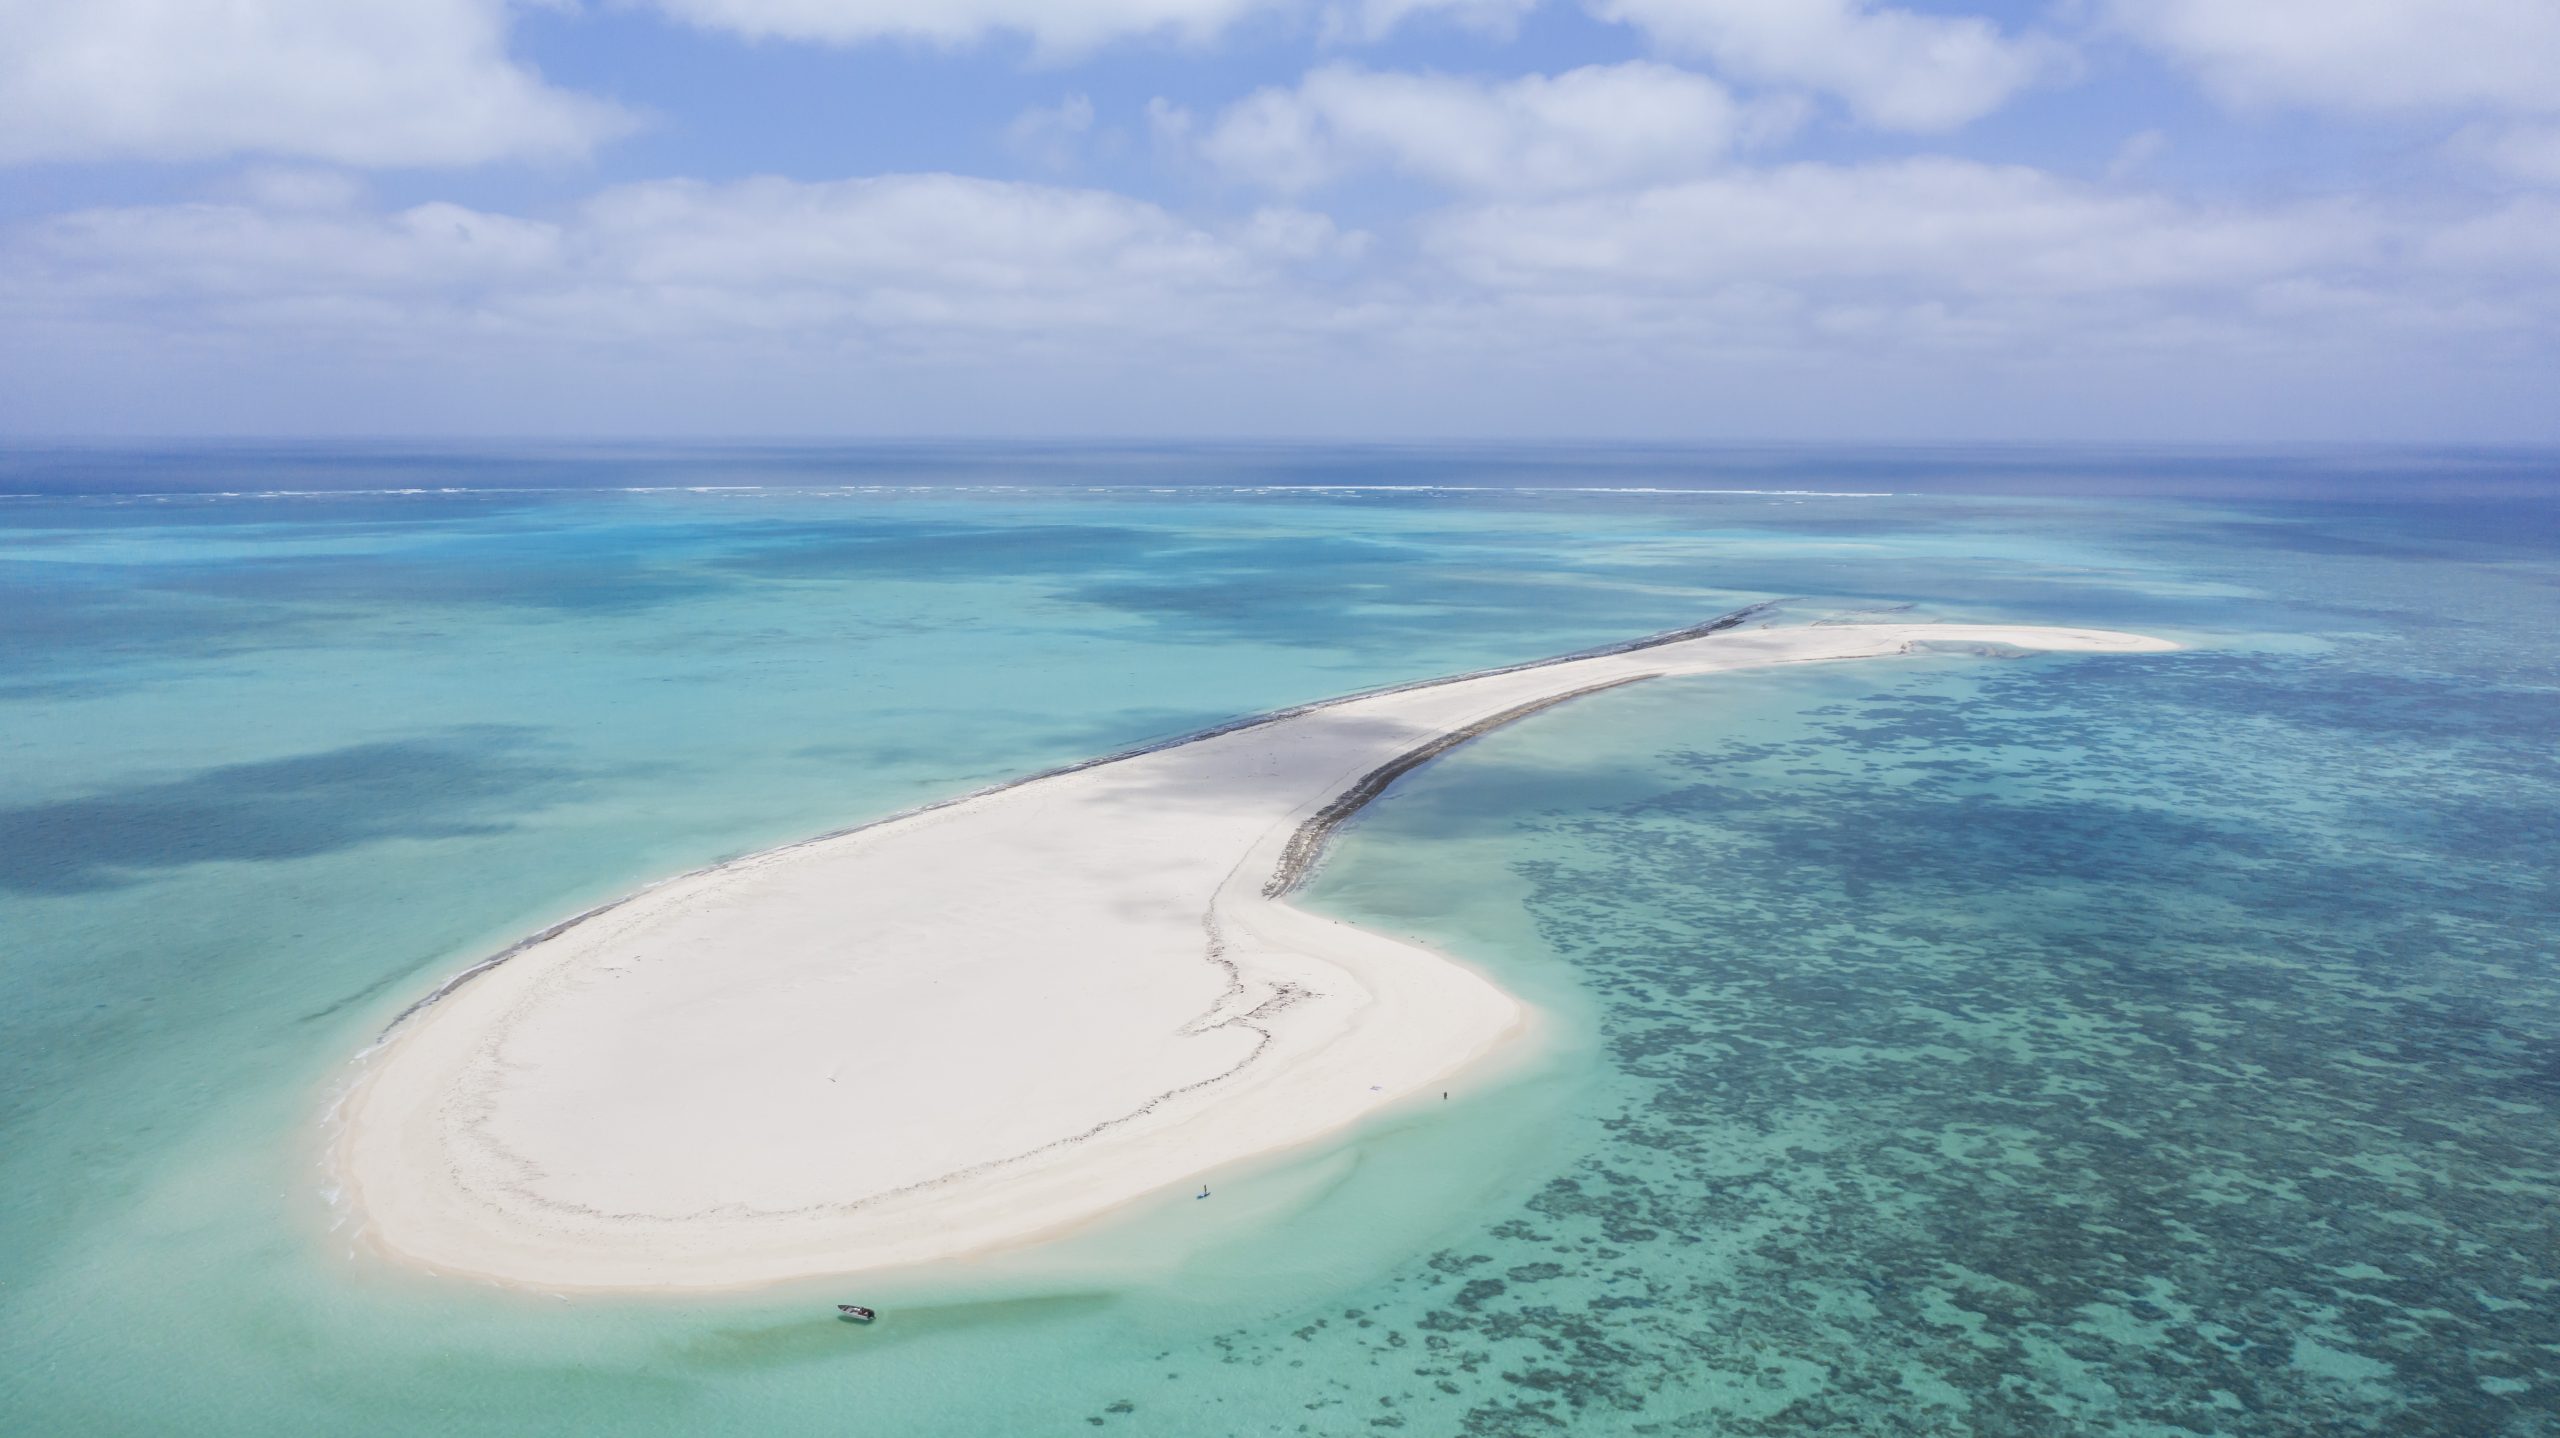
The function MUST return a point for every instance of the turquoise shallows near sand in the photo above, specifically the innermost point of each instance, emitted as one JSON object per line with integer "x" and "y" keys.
{"x": 2090, "y": 1045}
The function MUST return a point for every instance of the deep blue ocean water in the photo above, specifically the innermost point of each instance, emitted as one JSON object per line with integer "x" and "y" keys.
{"x": 2160, "y": 1044}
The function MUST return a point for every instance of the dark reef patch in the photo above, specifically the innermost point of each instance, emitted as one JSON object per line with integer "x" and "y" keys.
{"x": 2120, "y": 1044}
{"x": 472, "y": 781}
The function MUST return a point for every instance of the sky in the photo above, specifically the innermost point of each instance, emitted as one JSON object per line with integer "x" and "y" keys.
{"x": 1819, "y": 220}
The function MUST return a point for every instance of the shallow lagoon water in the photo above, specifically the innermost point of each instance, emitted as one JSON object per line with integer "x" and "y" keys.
{"x": 2013, "y": 1046}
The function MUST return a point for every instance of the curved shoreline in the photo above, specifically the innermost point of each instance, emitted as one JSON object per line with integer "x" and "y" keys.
{"x": 1053, "y": 996}
{"x": 1306, "y": 851}
{"x": 1720, "y": 623}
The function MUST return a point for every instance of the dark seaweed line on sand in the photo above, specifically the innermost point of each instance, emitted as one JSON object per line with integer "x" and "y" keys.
{"x": 1297, "y": 863}
{"x": 1716, "y": 625}
{"x": 1283, "y": 996}
{"x": 1306, "y": 847}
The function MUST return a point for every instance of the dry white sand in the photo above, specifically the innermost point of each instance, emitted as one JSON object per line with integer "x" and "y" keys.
{"x": 964, "y": 1027}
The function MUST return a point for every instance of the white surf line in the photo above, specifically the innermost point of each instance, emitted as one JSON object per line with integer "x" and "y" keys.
{"x": 968, "y": 1025}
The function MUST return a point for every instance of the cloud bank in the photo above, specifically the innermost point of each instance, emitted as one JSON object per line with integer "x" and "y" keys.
{"x": 1587, "y": 128}
{"x": 1752, "y": 218}
{"x": 1893, "y": 68}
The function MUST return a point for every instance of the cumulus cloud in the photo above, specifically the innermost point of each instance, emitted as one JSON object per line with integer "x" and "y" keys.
{"x": 1053, "y": 26}
{"x": 1376, "y": 19}
{"x": 1946, "y": 228}
{"x": 915, "y": 256}
{"x": 1061, "y": 28}
{"x": 2003, "y": 290}
{"x": 947, "y": 255}
{"x": 1597, "y": 126}
{"x": 388, "y": 82}
{"x": 1897, "y": 69}
{"x": 2371, "y": 55}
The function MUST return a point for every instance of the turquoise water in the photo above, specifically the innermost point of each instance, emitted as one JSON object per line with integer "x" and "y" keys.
{"x": 2143, "y": 1045}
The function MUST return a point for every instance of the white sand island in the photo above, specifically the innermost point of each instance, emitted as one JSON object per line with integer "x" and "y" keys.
{"x": 967, "y": 1026}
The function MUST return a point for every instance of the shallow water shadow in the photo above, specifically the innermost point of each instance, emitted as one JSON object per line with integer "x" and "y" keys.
{"x": 474, "y": 780}
{"x": 872, "y": 547}
{"x": 542, "y": 574}
{"x": 825, "y": 1337}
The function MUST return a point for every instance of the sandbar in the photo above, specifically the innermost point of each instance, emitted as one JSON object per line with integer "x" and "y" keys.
{"x": 971, "y": 1025}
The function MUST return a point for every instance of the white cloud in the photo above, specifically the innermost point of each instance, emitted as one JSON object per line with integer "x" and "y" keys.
{"x": 2513, "y": 240}
{"x": 241, "y": 260}
{"x": 1893, "y": 68}
{"x": 2526, "y": 152}
{"x": 1170, "y": 124}
{"x": 1055, "y": 27}
{"x": 282, "y": 187}
{"x": 2137, "y": 153}
{"x": 1061, "y": 28}
{"x": 923, "y": 258}
{"x": 2373, "y": 55}
{"x": 1023, "y": 248}
{"x": 1949, "y": 229}
{"x": 1373, "y": 20}
{"x": 936, "y": 259}
{"x": 384, "y": 82}
{"x": 1969, "y": 297}
{"x": 1278, "y": 232}
{"x": 1052, "y": 135}
{"x": 1597, "y": 126}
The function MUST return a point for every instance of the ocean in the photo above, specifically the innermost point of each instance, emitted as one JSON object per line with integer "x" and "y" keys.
{"x": 2159, "y": 1044}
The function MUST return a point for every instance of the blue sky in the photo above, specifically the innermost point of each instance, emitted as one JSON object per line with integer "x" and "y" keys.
{"x": 1713, "y": 219}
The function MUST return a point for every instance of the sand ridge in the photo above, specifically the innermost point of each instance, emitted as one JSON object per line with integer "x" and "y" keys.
{"x": 970, "y": 1025}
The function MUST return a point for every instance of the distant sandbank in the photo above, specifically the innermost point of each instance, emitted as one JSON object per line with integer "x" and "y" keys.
{"x": 972, "y": 1025}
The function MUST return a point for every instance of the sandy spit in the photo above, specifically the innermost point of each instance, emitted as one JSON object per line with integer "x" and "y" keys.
{"x": 970, "y": 1026}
